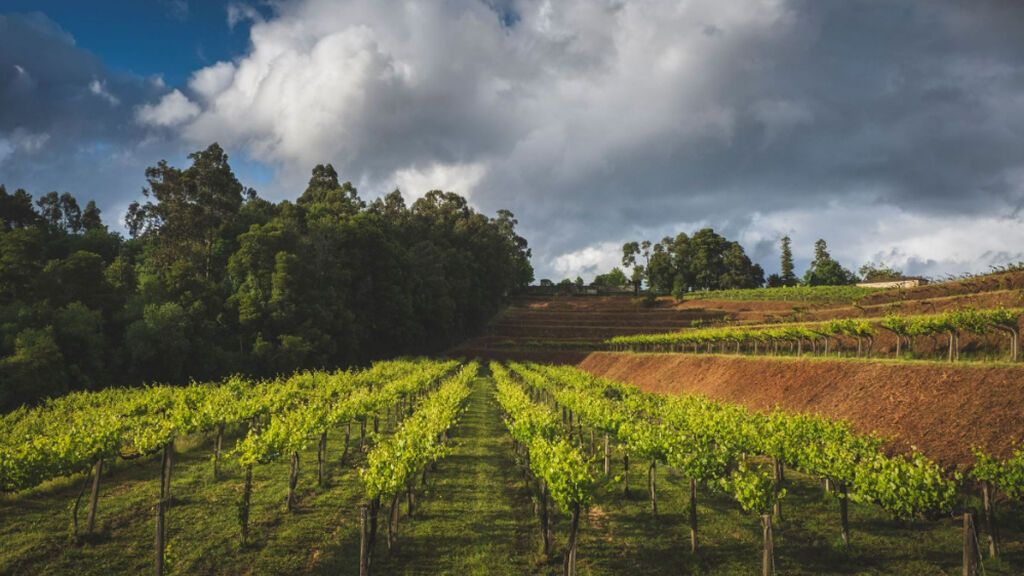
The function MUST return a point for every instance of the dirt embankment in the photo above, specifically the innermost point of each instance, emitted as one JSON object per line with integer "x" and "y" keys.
{"x": 943, "y": 410}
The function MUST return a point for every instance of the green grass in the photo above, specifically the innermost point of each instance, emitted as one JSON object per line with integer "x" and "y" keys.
{"x": 474, "y": 517}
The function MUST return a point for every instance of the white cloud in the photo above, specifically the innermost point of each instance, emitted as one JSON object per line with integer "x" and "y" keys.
{"x": 6, "y": 149}
{"x": 173, "y": 109}
{"x": 210, "y": 81}
{"x": 458, "y": 178}
{"x": 587, "y": 262}
{"x": 99, "y": 88}
{"x": 23, "y": 141}
{"x": 930, "y": 245}
{"x": 239, "y": 12}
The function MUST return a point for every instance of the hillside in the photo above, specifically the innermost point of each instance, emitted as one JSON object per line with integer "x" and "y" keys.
{"x": 942, "y": 409}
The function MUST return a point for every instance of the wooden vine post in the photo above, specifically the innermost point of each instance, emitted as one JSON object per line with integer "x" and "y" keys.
{"x": 652, "y": 473}
{"x": 321, "y": 458}
{"x": 243, "y": 504}
{"x": 768, "y": 557}
{"x": 572, "y": 544}
{"x": 160, "y": 538}
{"x": 217, "y": 451}
{"x": 971, "y": 553}
{"x": 990, "y": 524}
{"x": 94, "y": 496}
{"x": 293, "y": 480}
{"x": 607, "y": 456}
{"x": 693, "y": 515}
{"x": 364, "y": 550}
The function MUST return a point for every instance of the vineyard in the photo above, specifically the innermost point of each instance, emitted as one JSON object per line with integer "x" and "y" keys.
{"x": 815, "y": 294}
{"x": 275, "y": 420}
{"x": 856, "y": 335}
{"x": 412, "y": 462}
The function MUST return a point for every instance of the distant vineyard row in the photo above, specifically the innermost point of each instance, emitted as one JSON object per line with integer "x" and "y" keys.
{"x": 823, "y": 337}
{"x": 815, "y": 294}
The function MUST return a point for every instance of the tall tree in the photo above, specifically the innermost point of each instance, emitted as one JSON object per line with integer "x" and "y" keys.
{"x": 631, "y": 254}
{"x": 787, "y": 276}
{"x": 91, "y": 219}
{"x": 825, "y": 271}
{"x": 71, "y": 214}
{"x": 50, "y": 210}
{"x": 16, "y": 209}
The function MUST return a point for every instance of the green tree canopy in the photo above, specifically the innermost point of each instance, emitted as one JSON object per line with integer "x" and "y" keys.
{"x": 825, "y": 271}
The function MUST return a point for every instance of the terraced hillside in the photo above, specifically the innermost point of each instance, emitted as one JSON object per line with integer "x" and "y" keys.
{"x": 941, "y": 408}
{"x": 565, "y": 328}
{"x": 562, "y": 328}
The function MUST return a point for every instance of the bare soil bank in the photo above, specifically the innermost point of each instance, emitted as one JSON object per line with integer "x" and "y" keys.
{"x": 943, "y": 410}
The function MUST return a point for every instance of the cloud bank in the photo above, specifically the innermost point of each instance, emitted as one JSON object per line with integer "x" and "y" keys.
{"x": 892, "y": 129}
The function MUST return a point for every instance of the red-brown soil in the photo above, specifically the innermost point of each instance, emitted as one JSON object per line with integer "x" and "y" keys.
{"x": 941, "y": 409}
{"x": 588, "y": 320}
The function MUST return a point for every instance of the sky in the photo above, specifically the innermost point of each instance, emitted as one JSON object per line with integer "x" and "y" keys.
{"x": 892, "y": 129}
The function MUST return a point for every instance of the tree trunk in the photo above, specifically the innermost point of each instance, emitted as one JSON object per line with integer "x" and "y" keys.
{"x": 970, "y": 560}
{"x": 651, "y": 485}
{"x": 693, "y": 516}
{"x": 571, "y": 545}
{"x": 991, "y": 530}
{"x": 243, "y": 506}
{"x": 321, "y": 456}
{"x": 768, "y": 557}
{"x": 293, "y": 480}
{"x": 362, "y": 433}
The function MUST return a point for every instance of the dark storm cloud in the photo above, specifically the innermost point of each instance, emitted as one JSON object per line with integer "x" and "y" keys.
{"x": 910, "y": 106}
{"x": 66, "y": 121}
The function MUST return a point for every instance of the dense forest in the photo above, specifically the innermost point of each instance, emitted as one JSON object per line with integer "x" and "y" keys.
{"x": 213, "y": 280}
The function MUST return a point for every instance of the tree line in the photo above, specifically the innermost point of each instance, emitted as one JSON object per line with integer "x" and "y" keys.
{"x": 212, "y": 279}
{"x": 707, "y": 261}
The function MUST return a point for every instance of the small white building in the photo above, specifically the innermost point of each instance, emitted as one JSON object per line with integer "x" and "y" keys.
{"x": 901, "y": 283}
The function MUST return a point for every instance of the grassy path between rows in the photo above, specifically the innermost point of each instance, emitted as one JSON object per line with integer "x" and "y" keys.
{"x": 473, "y": 517}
